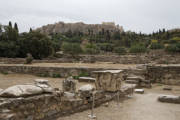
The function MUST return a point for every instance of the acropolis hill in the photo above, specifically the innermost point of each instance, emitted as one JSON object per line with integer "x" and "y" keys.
{"x": 62, "y": 27}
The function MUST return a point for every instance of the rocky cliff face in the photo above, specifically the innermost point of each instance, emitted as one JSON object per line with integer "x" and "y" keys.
{"x": 62, "y": 27}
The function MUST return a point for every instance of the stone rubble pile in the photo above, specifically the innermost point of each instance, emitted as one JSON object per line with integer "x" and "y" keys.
{"x": 139, "y": 81}
{"x": 69, "y": 85}
{"x": 41, "y": 102}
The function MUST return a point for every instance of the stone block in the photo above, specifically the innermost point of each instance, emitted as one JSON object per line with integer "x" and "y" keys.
{"x": 169, "y": 99}
{"x": 140, "y": 91}
{"x": 108, "y": 80}
{"x": 69, "y": 85}
{"x": 86, "y": 79}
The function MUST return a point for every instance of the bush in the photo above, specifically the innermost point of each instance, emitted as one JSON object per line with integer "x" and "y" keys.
{"x": 35, "y": 43}
{"x": 72, "y": 48}
{"x": 29, "y": 59}
{"x": 56, "y": 75}
{"x": 174, "y": 48}
{"x": 156, "y": 46}
{"x": 91, "y": 49}
{"x": 120, "y": 50}
{"x": 139, "y": 48}
{"x": 107, "y": 47}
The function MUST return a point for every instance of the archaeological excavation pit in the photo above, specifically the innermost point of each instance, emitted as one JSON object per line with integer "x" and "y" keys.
{"x": 72, "y": 98}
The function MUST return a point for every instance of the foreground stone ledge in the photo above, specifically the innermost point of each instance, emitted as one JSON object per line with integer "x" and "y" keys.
{"x": 52, "y": 105}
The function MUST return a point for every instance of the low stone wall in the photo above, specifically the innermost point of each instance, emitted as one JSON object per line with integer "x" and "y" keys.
{"x": 48, "y": 106}
{"x": 156, "y": 57}
{"x": 165, "y": 74}
{"x": 46, "y": 71}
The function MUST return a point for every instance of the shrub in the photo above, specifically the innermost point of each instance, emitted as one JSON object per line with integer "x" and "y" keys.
{"x": 43, "y": 75}
{"x": 4, "y": 72}
{"x": 39, "y": 45}
{"x": 120, "y": 50}
{"x": 156, "y": 46}
{"x": 56, "y": 75}
{"x": 91, "y": 49}
{"x": 174, "y": 48}
{"x": 72, "y": 48}
{"x": 29, "y": 59}
{"x": 138, "y": 48}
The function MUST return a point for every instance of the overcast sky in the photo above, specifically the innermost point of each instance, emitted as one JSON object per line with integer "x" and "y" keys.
{"x": 134, "y": 15}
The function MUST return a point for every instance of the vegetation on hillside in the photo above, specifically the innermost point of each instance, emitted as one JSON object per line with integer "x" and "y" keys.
{"x": 15, "y": 44}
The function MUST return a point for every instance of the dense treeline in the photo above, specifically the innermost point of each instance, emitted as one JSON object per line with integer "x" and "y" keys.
{"x": 15, "y": 44}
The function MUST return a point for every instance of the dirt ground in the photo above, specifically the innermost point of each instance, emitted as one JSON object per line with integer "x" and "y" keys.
{"x": 20, "y": 79}
{"x": 107, "y": 65}
{"x": 139, "y": 107}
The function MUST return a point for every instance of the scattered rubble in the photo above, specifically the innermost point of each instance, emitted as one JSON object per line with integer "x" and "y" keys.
{"x": 169, "y": 99}
{"x": 141, "y": 91}
{"x": 139, "y": 81}
{"x": 167, "y": 88}
{"x": 69, "y": 85}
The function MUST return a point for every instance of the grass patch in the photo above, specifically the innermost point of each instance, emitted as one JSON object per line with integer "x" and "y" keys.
{"x": 43, "y": 75}
{"x": 82, "y": 74}
{"x": 56, "y": 75}
{"x": 4, "y": 72}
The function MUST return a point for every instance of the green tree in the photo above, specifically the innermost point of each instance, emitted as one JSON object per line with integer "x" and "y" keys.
{"x": 16, "y": 27}
{"x": 72, "y": 48}
{"x": 120, "y": 50}
{"x": 35, "y": 43}
{"x": 138, "y": 48}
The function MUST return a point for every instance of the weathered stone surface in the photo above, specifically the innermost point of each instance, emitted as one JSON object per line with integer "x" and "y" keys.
{"x": 141, "y": 91}
{"x": 21, "y": 90}
{"x": 167, "y": 88}
{"x": 26, "y": 90}
{"x": 1, "y": 90}
{"x": 41, "y": 81}
{"x": 108, "y": 80}
{"x": 69, "y": 85}
{"x": 86, "y": 79}
{"x": 49, "y": 106}
{"x": 69, "y": 95}
{"x": 165, "y": 74}
{"x": 132, "y": 81}
{"x": 169, "y": 99}
{"x": 128, "y": 88}
{"x": 87, "y": 87}
{"x": 44, "y": 85}
{"x": 136, "y": 78}
{"x": 85, "y": 91}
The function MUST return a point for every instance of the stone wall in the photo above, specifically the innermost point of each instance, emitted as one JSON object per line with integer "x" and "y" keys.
{"x": 49, "y": 106}
{"x": 42, "y": 107}
{"x": 46, "y": 71}
{"x": 165, "y": 74}
{"x": 158, "y": 58}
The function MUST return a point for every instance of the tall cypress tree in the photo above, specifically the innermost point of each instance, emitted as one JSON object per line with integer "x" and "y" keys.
{"x": 30, "y": 30}
{"x": 16, "y": 27}
{"x": 10, "y": 24}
